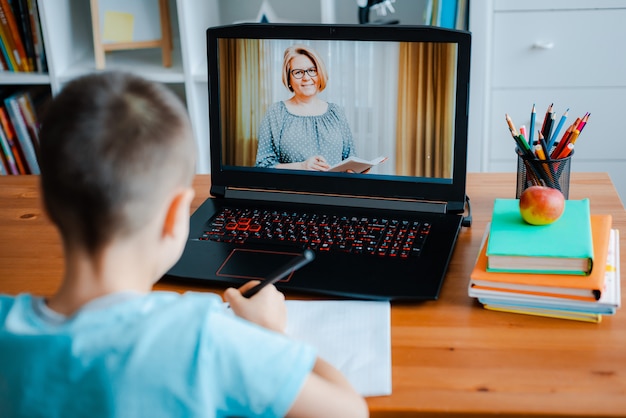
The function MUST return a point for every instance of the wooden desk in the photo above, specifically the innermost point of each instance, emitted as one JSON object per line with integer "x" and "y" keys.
{"x": 449, "y": 357}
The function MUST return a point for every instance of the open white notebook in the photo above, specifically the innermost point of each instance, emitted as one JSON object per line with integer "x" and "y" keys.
{"x": 354, "y": 336}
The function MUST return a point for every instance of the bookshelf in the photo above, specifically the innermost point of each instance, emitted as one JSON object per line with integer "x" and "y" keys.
{"x": 67, "y": 31}
{"x": 69, "y": 47}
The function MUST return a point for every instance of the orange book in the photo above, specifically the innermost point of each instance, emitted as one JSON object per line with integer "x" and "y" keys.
{"x": 8, "y": 48}
{"x": 557, "y": 285}
{"x": 14, "y": 33}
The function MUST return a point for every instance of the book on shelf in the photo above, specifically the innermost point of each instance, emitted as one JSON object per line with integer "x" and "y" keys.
{"x": 446, "y": 13}
{"x": 6, "y": 43}
{"x": 12, "y": 37}
{"x": 3, "y": 63}
{"x": 21, "y": 41}
{"x": 3, "y": 167}
{"x": 21, "y": 9}
{"x": 590, "y": 311}
{"x": 7, "y": 154}
{"x": 9, "y": 132}
{"x": 571, "y": 286}
{"x": 37, "y": 36}
{"x": 27, "y": 108}
{"x": 22, "y": 18}
{"x": 562, "y": 247}
{"x": 27, "y": 144}
{"x": 356, "y": 164}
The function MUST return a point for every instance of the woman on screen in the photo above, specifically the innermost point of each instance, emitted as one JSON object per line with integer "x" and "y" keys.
{"x": 304, "y": 132}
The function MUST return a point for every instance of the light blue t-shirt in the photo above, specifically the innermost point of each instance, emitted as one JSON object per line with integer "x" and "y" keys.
{"x": 288, "y": 138}
{"x": 155, "y": 355}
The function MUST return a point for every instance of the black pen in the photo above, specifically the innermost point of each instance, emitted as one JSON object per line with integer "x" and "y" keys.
{"x": 293, "y": 265}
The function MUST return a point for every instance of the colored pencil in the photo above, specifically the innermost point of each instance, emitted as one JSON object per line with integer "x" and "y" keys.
{"x": 557, "y": 130}
{"x": 533, "y": 116}
{"x": 546, "y": 119}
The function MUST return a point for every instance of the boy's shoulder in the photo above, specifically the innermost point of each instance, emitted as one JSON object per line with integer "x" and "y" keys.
{"x": 31, "y": 310}
{"x": 157, "y": 304}
{"x": 9, "y": 302}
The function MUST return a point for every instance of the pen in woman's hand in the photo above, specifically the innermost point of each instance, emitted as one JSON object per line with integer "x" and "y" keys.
{"x": 293, "y": 265}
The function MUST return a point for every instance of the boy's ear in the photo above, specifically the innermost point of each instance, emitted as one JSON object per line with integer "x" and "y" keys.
{"x": 177, "y": 211}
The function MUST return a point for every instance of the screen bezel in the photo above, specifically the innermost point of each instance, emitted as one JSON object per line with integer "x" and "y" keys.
{"x": 392, "y": 187}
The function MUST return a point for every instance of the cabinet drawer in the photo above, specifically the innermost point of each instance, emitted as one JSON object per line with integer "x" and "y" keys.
{"x": 602, "y": 139}
{"x": 557, "y": 4}
{"x": 559, "y": 48}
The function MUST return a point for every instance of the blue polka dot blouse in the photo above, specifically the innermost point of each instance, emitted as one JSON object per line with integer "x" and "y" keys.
{"x": 288, "y": 138}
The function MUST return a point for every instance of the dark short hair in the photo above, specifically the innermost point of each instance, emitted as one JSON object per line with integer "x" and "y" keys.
{"x": 112, "y": 146}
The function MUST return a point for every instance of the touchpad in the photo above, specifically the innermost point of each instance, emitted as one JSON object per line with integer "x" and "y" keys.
{"x": 254, "y": 264}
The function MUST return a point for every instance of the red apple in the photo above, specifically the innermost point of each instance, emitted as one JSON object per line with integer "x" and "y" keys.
{"x": 540, "y": 205}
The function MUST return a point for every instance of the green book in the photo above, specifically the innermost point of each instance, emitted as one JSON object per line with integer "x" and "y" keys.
{"x": 562, "y": 247}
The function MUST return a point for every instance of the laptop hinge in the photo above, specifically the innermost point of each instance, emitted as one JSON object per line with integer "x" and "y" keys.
{"x": 338, "y": 200}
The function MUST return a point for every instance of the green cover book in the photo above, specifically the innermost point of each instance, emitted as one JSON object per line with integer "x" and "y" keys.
{"x": 563, "y": 247}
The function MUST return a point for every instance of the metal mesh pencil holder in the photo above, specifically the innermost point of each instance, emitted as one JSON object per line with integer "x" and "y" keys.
{"x": 532, "y": 171}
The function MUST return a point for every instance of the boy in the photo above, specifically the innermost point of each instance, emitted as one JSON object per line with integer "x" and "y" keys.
{"x": 117, "y": 161}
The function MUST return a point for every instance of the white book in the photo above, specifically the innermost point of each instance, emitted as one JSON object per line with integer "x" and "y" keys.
{"x": 356, "y": 164}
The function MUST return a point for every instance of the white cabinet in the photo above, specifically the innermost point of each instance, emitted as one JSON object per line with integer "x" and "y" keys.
{"x": 570, "y": 53}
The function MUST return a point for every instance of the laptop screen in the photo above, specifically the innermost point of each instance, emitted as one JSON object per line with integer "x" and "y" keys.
{"x": 289, "y": 101}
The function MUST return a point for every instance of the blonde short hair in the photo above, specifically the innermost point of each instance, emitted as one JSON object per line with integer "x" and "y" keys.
{"x": 294, "y": 51}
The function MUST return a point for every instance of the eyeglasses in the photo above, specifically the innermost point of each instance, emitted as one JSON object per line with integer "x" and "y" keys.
{"x": 298, "y": 73}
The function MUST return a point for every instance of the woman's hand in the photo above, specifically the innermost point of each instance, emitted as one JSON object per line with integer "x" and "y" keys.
{"x": 266, "y": 308}
{"x": 317, "y": 163}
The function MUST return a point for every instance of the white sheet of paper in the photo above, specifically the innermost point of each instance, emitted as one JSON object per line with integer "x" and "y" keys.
{"x": 353, "y": 336}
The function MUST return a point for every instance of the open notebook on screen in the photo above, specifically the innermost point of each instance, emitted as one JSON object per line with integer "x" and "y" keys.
{"x": 286, "y": 103}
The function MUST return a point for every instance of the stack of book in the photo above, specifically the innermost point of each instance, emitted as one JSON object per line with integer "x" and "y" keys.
{"x": 19, "y": 129}
{"x": 568, "y": 269}
{"x": 21, "y": 41}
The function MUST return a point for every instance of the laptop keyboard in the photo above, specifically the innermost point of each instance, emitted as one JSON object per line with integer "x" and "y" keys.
{"x": 382, "y": 237}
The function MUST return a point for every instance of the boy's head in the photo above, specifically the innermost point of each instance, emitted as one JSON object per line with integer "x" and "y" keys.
{"x": 114, "y": 146}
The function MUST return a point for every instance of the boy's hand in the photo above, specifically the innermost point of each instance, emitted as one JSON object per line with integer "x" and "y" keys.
{"x": 267, "y": 308}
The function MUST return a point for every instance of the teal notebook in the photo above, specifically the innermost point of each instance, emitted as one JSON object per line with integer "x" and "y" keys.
{"x": 563, "y": 247}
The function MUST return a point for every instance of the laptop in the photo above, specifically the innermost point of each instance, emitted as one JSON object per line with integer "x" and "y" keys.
{"x": 387, "y": 233}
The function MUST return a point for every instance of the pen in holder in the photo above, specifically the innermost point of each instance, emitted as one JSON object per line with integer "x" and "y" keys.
{"x": 551, "y": 173}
